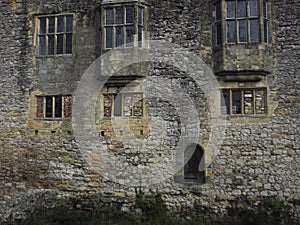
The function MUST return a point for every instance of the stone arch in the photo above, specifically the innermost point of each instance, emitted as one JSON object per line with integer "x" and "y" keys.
{"x": 193, "y": 171}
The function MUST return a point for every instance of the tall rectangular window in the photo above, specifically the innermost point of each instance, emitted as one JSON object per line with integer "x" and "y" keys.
{"x": 55, "y": 34}
{"x": 121, "y": 24}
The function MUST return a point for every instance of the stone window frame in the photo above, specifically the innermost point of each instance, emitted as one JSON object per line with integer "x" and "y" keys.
{"x": 186, "y": 157}
{"x": 138, "y": 24}
{"x": 60, "y": 34}
{"x": 249, "y": 99}
{"x": 221, "y": 22}
{"x": 47, "y": 106}
{"x": 109, "y": 110}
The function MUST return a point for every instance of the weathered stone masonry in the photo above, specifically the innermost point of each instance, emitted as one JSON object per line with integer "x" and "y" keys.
{"x": 40, "y": 163}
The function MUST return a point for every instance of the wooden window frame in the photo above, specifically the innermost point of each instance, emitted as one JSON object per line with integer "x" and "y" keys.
{"x": 229, "y": 107}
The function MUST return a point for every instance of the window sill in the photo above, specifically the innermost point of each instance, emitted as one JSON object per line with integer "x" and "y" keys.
{"x": 55, "y": 56}
{"x": 52, "y": 119}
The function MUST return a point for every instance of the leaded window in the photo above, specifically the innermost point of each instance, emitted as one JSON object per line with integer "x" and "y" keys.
{"x": 55, "y": 35}
{"x": 121, "y": 24}
{"x": 242, "y": 21}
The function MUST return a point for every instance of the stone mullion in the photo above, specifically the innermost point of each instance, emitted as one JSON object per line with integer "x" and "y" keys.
{"x": 230, "y": 101}
{"x": 46, "y": 36}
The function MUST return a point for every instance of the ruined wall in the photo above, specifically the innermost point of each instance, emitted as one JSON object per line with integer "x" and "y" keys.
{"x": 40, "y": 158}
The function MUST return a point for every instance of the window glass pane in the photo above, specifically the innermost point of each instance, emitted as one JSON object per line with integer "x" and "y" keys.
{"x": 140, "y": 36}
{"x": 231, "y": 31}
{"x": 118, "y": 105}
{"x": 236, "y": 102}
{"x": 254, "y": 30}
{"x": 265, "y": 9}
{"x": 109, "y": 18}
{"x": 129, "y": 36}
{"x": 129, "y": 15}
{"x": 253, "y": 6}
{"x": 69, "y": 41}
{"x": 225, "y": 102}
{"x": 60, "y": 24}
{"x": 230, "y": 9}
{"x": 51, "y": 25}
{"x": 219, "y": 33}
{"x": 42, "y": 45}
{"x": 218, "y": 12}
{"x": 69, "y": 23}
{"x": 42, "y": 25}
{"x": 248, "y": 102}
{"x": 242, "y": 9}
{"x": 108, "y": 37}
{"x": 242, "y": 30}
{"x": 260, "y": 102}
{"x": 127, "y": 105}
{"x": 50, "y": 44}
{"x": 119, "y": 36}
{"x": 58, "y": 106}
{"x": 48, "y": 106}
{"x": 119, "y": 15}
{"x": 60, "y": 44}
{"x": 141, "y": 15}
{"x": 267, "y": 37}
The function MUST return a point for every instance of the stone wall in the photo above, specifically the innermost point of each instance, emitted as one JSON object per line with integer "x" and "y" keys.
{"x": 40, "y": 161}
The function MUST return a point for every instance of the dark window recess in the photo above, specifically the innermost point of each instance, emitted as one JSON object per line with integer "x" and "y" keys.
{"x": 236, "y": 102}
{"x": 60, "y": 24}
{"x": 119, "y": 15}
{"x": 119, "y": 36}
{"x": 109, "y": 19}
{"x": 129, "y": 36}
{"x": 193, "y": 171}
{"x": 108, "y": 38}
{"x": 129, "y": 15}
{"x": 141, "y": 15}
{"x": 49, "y": 106}
{"x": 60, "y": 44}
{"x": 225, "y": 102}
{"x": 58, "y": 106}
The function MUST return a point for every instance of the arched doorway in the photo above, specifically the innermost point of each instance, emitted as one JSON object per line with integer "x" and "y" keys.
{"x": 193, "y": 173}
